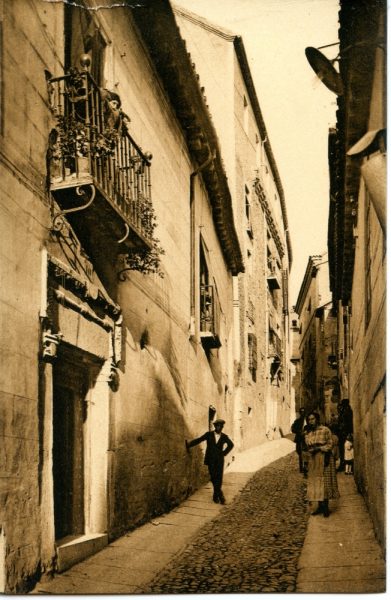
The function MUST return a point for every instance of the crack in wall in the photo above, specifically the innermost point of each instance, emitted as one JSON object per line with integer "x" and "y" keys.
{"x": 99, "y": 7}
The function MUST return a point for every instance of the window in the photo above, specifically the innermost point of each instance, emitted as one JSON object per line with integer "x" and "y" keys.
{"x": 273, "y": 275}
{"x": 275, "y": 353}
{"x": 209, "y": 305}
{"x": 205, "y": 299}
{"x": 247, "y": 207}
{"x": 252, "y": 355}
{"x": 82, "y": 36}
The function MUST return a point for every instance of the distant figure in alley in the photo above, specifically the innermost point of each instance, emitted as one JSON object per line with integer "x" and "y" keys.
{"x": 218, "y": 445}
{"x": 349, "y": 455}
{"x": 345, "y": 427}
{"x": 322, "y": 478}
{"x": 299, "y": 428}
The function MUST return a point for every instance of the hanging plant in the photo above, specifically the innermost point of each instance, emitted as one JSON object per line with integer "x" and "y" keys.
{"x": 105, "y": 142}
{"x": 147, "y": 213}
{"x": 146, "y": 260}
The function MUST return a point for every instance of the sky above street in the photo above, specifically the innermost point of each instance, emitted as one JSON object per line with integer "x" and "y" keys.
{"x": 297, "y": 108}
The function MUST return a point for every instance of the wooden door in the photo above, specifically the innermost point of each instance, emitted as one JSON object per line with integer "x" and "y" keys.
{"x": 70, "y": 386}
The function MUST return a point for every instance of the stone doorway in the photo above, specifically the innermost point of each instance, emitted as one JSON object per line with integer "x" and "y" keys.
{"x": 78, "y": 403}
{"x": 70, "y": 387}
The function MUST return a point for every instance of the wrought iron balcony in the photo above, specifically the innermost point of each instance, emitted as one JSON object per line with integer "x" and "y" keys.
{"x": 209, "y": 317}
{"x": 273, "y": 275}
{"x": 92, "y": 154}
{"x": 275, "y": 347}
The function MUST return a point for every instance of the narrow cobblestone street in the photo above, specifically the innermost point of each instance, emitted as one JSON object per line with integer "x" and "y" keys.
{"x": 253, "y": 545}
{"x": 263, "y": 540}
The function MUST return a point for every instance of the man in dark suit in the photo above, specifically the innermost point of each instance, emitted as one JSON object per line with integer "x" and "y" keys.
{"x": 218, "y": 444}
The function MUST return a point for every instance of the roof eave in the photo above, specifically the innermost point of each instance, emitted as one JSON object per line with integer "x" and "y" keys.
{"x": 358, "y": 22}
{"x": 160, "y": 34}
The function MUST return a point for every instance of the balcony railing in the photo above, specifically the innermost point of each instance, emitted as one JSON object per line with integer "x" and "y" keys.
{"x": 209, "y": 317}
{"x": 273, "y": 275}
{"x": 91, "y": 145}
{"x": 275, "y": 347}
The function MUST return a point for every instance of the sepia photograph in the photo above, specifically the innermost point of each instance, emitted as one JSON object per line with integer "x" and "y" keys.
{"x": 193, "y": 297}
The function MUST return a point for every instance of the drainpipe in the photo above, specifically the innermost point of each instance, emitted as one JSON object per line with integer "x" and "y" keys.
{"x": 44, "y": 284}
{"x": 211, "y": 157}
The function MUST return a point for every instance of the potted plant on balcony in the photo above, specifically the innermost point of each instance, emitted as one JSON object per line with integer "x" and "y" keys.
{"x": 73, "y": 143}
{"x": 70, "y": 147}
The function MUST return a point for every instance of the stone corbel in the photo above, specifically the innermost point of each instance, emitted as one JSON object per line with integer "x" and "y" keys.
{"x": 117, "y": 342}
{"x": 50, "y": 343}
{"x": 113, "y": 379}
{"x": 110, "y": 374}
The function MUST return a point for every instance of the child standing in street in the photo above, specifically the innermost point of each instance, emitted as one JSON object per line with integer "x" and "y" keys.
{"x": 348, "y": 454}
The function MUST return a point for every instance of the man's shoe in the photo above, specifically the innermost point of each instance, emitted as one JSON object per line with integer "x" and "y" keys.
{"x": 326, "y": 512}
{"x": 215, "y": 499}
{"x": 222, "y": 500}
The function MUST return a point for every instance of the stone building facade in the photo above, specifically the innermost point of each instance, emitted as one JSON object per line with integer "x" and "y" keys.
{"x": 106, "y": 370}
{"x": 315, "y": 333}
{"x": 357, "y": 247}
{"x": 262, "y": 395}
{"x": 295, "y": 357}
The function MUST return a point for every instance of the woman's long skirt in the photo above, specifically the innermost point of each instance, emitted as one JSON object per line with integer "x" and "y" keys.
{"x": 322, "y": 481}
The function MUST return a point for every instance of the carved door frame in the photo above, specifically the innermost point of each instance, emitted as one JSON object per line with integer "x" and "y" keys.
{"x": 75, "y": 373}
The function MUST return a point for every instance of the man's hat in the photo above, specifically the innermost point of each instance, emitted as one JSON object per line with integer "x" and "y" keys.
{"x": 219, "y": 421}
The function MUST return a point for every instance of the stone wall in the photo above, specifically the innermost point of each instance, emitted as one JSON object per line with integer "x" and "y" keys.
{"x": 25, "y": 220}
{"x": 367, "y": 370}
{"x": 367, "y": 361}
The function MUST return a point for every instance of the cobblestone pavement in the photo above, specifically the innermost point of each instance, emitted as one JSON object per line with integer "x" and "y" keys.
{"x": 252, "y": 546}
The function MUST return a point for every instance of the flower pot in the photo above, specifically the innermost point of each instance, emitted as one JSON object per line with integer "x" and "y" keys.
{"x": 56, "y": 174}
{"x": 83, "y": 167}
